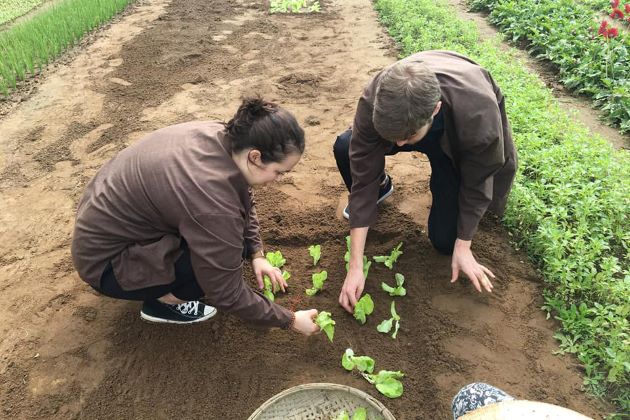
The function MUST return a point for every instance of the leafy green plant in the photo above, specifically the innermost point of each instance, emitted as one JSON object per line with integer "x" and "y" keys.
{"x": 294, "y": 6}
{"x": 315, "y": 251}
{"x": 363, "y": 308}
{"x": 326, "y": 324}
{"x": 318, "y": 282}
{"x": 390, "y": 259}
{"x": 387, "y": 382}
{"x": 366, "y": 263}
{"x": 276, "y": 260}
{"x": 363, "y": 363}
{"x": 399, "y": 290}
{"x": 15, "y": 9}
{"x": 386, "y": 325}
{"x": 591, "y": 61}
{"x": 359, "y": 414}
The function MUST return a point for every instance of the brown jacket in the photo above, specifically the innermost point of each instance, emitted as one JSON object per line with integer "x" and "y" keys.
{"x": 178, "y": 182}
{"x": 477, "y": 138}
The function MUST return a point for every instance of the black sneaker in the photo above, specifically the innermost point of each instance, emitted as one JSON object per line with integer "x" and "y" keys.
{"x": 386, "y": 189}
{"x": 184, "y": 313}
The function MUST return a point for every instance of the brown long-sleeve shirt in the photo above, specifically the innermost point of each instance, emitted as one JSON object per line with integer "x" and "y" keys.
{"x": 477, "y": 138}
{"x": 178, "y": 182}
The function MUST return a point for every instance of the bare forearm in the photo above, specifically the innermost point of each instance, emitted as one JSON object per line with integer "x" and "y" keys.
{"x": 358, "y": 237}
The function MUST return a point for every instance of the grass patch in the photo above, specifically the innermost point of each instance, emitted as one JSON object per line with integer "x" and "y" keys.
{"x": 28, "y": 46}
{"x": 569, "y": 205}
{"x": 11, "y": 9}
{"x": 294, "y": 6}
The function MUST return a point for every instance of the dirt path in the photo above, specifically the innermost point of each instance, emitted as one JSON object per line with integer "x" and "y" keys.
{"x": 67, "y": 353}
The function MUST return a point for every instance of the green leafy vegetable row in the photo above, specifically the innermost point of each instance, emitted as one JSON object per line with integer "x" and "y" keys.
{"x": 11, "y": 9}
{"x": 569, "y": 206}
{"x": 565, "y": 32}
{"x": 28, "y": 46}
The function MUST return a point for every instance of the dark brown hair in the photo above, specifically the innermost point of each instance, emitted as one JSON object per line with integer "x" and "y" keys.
{"x": 406, "y": 96}
{"x": 266, "y": 127}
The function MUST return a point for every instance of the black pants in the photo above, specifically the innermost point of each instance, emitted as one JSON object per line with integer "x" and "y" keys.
{"x": 185, "y": 286}
{"x": 444, "y": 186}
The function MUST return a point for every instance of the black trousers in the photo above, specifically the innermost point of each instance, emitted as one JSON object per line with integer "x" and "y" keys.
{"x": 444, "y": 185}
{"x": 185, "y": 286}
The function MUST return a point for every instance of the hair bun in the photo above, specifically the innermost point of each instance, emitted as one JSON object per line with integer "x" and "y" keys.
{"x": 257, "y": 106}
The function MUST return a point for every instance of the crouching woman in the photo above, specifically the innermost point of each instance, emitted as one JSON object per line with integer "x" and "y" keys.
{"x": 169, "y": 220}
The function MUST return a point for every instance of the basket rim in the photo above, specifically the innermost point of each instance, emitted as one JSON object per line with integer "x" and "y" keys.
{"x": 376, "y": 404}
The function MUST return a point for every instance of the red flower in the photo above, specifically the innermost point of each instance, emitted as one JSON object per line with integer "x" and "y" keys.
{"x": 627, "y": 7}
{"x": 616, "y": 14}
{"x": 614, "y": 3}
{"x": 607, "y": 32}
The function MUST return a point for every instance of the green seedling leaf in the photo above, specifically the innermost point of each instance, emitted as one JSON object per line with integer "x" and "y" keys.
{"x": 315, "y": 251}
{"x": 318, "y": 282}
{"x": 360, "y": 414}
{"x": 346, "y": 359}
{"x": 363, "y": 308}
{"x": 326, "y": 324}
{"x": 387, "y": 382}
{"x": 268, "y": 289}
{"x": 342, "y": 416}
{"x": 364, "y": 364}
{"x": 394, "y": 321}
{"x": 276, "y": 259}
{"x": 390, "y": 259}
{"x": 390, "y": 387}
{"x": 399, "y": 290}
{"x": 385, "y": 326}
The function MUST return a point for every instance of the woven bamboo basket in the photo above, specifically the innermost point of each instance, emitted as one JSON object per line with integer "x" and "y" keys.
{"x": 319, "y": 401}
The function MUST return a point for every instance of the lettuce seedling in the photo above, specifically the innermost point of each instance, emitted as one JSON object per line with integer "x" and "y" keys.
{"x": 399, "y": 290}
{"x": 276, "y": 260}
{"x": 386, "y": 326}
{"x": 363, "y": 363}
{"x": 318, "y": 282}
{"x": 390, "y": 259}
{"x": 269, "y": 290}
{"x": 363, "y": 308}
{"x": 346, "y": 258}
{"x": 315, "y": 251}
{"x": 359, "y": 414}
{"x": 326, "y": 324}
{"x": 386, "y": 382}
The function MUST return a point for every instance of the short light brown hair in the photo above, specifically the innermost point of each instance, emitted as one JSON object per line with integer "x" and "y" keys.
{"x": 406, "y": 96}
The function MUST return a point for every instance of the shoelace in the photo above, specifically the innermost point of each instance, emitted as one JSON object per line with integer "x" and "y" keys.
{"x": 190, "y": 308}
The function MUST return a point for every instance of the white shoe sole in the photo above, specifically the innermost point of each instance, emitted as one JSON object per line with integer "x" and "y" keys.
{"x": 346, "y": 215}
{"x": 155, "y": 320}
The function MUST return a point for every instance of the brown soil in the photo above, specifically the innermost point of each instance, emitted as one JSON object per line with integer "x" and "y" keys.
{"x": 68, "y": 353}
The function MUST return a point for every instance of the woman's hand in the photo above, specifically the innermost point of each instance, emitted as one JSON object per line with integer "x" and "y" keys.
{"x": 305, "y": 322}
{"x": 262, "y": 268}
{"x": 463, "y": 260}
